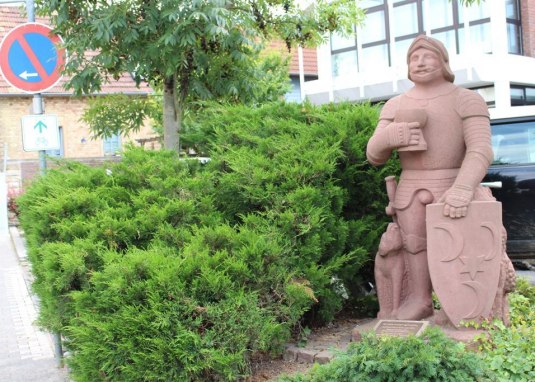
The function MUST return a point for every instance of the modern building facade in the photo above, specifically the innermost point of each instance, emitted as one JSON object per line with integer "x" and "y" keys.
{"x": 491, "y": 47}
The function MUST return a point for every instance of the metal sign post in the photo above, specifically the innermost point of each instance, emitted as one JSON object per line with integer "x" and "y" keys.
{"x": 38, "y": 109}
{"x": 37, "y": 98}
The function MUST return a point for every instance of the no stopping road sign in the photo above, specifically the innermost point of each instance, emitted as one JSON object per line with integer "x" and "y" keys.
{"x": 30, "y": 59}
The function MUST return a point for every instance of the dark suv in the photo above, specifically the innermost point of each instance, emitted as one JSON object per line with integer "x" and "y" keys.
{"x": 513, "y": 142}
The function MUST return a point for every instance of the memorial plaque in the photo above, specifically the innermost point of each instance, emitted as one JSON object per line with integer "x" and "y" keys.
{"x": 400, "y": 328}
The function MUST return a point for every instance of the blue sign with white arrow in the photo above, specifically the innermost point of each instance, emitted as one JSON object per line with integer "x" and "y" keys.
{"x": 30, "y": 58}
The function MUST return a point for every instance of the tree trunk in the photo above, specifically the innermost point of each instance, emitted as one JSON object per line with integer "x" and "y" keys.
{"x": 171, "y": 137}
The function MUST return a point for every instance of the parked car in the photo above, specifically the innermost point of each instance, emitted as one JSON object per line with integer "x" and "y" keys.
{"x": 513, "y": 143}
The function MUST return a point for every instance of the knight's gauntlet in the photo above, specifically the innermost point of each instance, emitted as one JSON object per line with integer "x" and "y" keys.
{"x": 399, "y": 134}
{"x": 459, "y": 196}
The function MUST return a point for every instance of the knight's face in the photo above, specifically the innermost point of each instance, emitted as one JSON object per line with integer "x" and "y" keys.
{"x": 425, "y": 66}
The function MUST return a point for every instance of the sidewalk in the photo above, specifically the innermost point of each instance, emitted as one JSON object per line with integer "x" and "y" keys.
{"x": 26, "y": 353}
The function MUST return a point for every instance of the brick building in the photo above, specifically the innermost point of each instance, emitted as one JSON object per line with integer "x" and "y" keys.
{"x": 527, "y": 14}
{"x": 75, "y": 139}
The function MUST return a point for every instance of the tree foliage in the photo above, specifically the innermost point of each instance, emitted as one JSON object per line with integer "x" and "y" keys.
{"x": 121, "y": 114}
{"x": 203, "y": 48}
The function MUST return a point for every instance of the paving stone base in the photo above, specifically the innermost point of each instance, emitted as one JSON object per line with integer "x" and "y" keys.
{"x": 322, "y": 344}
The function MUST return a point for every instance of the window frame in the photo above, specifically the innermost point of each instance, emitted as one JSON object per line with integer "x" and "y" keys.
{"x": 518, "y": 24}
{"x": 107, "y": 140}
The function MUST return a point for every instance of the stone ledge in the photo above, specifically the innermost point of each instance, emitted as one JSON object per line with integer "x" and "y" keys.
{"x": 307, "y": 355}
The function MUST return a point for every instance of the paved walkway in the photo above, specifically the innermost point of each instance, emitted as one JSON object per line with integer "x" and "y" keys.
{"x": 26, "y": 353}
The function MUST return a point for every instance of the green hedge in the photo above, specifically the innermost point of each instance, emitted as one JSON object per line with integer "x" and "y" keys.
{"x": 159, "y": 269}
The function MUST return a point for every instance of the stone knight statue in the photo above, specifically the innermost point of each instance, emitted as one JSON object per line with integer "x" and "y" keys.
{"x": 442, "y": 135}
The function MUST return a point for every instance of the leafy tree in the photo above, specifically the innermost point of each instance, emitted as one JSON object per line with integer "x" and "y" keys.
{"x": 118, "y": 113}
{"x": 189, "y": 48}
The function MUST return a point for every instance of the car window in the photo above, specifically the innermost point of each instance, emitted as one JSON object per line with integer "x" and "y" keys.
{"x": 514, "y": 143}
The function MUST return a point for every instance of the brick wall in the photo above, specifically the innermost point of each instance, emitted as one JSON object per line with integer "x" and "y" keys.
{"x": 77, "y": 140}
{"x": 29, "y": 169}
{"x": 527, "y": 9}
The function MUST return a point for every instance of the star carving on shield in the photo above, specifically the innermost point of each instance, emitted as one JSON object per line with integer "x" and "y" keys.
{"x": 472, "y": 265}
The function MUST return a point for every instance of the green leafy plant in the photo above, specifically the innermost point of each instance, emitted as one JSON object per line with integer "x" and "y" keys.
{"x": 304, "y": 333}
{"x": 508, "y": 351}
{"x": 430, "y": 357}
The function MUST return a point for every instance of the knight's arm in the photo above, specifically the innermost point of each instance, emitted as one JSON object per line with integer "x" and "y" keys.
{"x": 387, "y": 136}
{"x": 476, "y": 129}
{"x": 477, "y": 136}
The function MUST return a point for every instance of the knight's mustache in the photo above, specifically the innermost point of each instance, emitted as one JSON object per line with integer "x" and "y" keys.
{"x": 424, "y": 70}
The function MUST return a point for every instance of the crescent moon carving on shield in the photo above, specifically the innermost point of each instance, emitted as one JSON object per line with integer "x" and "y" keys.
{"x": 496, "y": 239}
{"x": 479, "y": 289}
{"x": 456, "y": 239}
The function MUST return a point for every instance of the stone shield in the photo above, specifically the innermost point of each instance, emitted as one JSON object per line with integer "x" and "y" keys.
{"x": 464, "y": 257}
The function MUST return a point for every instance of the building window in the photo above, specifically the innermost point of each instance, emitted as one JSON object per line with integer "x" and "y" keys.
{"x": 441, "y": 15}
{"x": 294, "y": 95}
{"x": 374, "y": 57}
{"x": 374, "y": 29}
{"x": 344, "y": 54}
{"x": 374, "y": 36}
{"x": 344, "y": 63}
{"x": 60, "y": 152}
{"x": 112, "y": 145}
{"x": 406, "y": 19}
{"x": 370, "y": 3}
{"x": 446, "y": 22}
{"x": 488, "y": 93}
{"x": 514, "y": 33}
{"x": 522, "y": 95}
{"x": 339, "y": 42}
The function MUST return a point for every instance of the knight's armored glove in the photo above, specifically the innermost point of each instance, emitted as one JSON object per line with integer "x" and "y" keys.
{"x": 399, "y": 134}
{"x": 456, "y": 200}
{"x": 390, "y": 136}
{"x": 458, "y": 196}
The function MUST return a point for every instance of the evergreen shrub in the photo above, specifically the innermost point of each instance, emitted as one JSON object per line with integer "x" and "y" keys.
{"x": 159, "y": 269}
{"x": 429, "y": 357}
